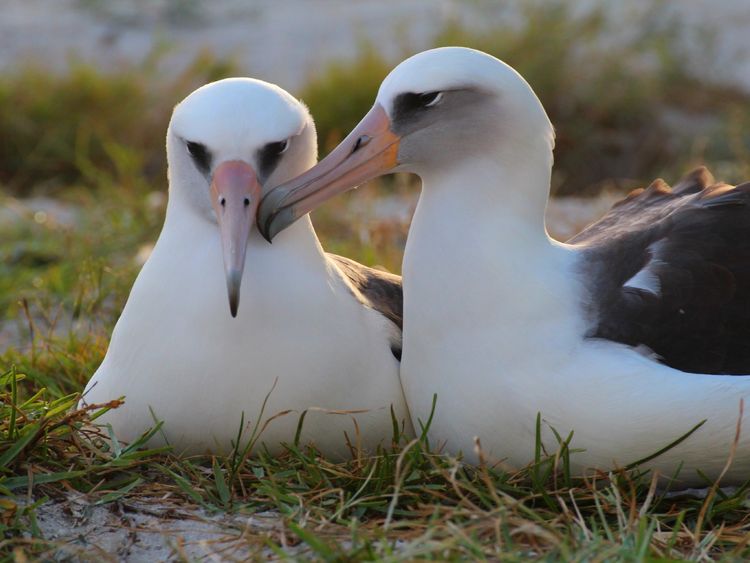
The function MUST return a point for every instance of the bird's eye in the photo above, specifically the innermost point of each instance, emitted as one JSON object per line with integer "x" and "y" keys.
{"x": 270, "y": 155}
{"x": 200, "y": 154}
{"x": 430, "y": 99}
{"x": 277, "y": 148}
{"x": 410, "y": 105}
{"x": 196, "y": 150}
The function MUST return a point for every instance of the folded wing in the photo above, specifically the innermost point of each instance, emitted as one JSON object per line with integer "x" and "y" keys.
{"x": 669, "y": 269}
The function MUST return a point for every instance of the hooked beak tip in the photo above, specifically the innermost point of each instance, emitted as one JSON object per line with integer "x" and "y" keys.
{"x": 235, "y": 193}
{"x": 370, "y": 150}
{"x": 276, "y": 222}
{"x": 234, "y": 278}
{"x": 271, "y": 212}
{"x": 266, "y": 233}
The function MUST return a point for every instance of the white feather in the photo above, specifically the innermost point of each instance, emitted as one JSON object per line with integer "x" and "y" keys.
{"x": 645, "y": 279}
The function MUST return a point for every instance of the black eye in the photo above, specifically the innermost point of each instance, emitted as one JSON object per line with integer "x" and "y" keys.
{"x": 429, "y": 99}
{"x": 200, "y": 154}
{"x": 277, "y": 148}
{"x": 269, "y": 156}
{"x": 409, "y": 105}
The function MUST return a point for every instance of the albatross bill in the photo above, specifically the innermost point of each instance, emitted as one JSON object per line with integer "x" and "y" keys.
{"x": 235, "y": 194}
{"x": 368, "y": 151}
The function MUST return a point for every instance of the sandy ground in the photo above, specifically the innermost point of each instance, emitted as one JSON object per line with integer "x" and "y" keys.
{"x": 137, "y": 531}
{"x": 285, "y": 41}
{"x": 161, "y": 530}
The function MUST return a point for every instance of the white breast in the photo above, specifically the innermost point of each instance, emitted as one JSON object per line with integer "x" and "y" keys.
{"x": 300, "y": 340}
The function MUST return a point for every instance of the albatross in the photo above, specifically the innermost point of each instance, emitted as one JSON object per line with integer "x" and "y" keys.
{"x": 632, "y": 337}
{"x": 218, "y": 320}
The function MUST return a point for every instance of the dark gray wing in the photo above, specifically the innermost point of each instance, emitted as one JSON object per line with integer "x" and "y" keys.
{"x": 670, "y": 269}
{"x": 376, "y": 289}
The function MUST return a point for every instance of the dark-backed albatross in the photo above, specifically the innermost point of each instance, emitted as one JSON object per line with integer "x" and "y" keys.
{"x": 629, "y": 336}
{"x": 312, "y": 330}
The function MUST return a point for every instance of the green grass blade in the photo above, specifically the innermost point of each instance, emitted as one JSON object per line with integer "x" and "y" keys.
{"x": 28, "y": 434}
{"x": 118, "y": 494}
{"x": 13, "y": 483}
{"x": 666, "y": 448}
{"x": 221, "y": 484}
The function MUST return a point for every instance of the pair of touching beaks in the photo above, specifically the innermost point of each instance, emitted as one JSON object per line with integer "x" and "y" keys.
{"x": 370, "y": 150}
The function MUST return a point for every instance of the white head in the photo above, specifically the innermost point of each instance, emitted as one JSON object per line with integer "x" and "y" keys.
{"x": 432, "y": 111}
{"x": 227, "y": 143}
{"x": 452, "y": 103}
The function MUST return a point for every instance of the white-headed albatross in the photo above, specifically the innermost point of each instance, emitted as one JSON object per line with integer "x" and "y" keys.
{"x": 502, "y": 322}
{"x": 315, "y": 331}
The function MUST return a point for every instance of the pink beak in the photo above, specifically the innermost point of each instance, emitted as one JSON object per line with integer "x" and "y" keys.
{"x": 235, "y": 194}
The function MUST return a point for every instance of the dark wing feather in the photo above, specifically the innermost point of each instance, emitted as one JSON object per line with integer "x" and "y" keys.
{"x": 376, "y": 289}
{"x": 642, "y": 207}
{"x": 691, "y": 244}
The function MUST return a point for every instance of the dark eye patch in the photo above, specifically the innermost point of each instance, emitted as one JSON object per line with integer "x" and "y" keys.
{"x": 269, "y": 157}
{"x": 411, "y": 104}
{"x": 200, "y": 154}
{"x": 429, "y": 98}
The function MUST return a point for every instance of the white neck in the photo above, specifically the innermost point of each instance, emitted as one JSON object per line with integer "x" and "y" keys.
{"x": 478, "y": 255}
{"x": 495, "y": 200}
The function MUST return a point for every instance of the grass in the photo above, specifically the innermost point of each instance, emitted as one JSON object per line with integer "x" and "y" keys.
{"x": 62, "y": 285}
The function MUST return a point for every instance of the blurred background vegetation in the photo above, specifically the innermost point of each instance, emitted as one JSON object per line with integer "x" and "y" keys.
{"x": 622, "y": 115}
{"x": 82, "y": 163}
